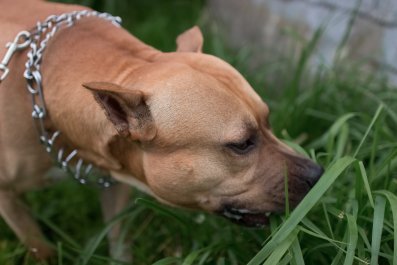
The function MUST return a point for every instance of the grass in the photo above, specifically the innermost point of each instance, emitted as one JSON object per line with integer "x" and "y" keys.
{"x": 341, "y": 116}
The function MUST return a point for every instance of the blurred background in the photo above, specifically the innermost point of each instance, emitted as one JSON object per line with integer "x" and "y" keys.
{"x": 327, "y": 69}
{"x": 359, "y": 30}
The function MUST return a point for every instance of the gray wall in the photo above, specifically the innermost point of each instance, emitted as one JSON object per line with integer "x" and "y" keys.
{"x": 280, "y": 26}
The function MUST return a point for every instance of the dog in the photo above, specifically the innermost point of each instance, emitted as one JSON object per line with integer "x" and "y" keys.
{"x": 184, "y": 126}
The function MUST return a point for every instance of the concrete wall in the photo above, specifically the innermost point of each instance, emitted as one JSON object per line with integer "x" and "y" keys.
{"x": 279, "y": 26}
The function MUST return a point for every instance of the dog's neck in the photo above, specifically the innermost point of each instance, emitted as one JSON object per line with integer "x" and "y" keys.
{"x": 72, "y": 109}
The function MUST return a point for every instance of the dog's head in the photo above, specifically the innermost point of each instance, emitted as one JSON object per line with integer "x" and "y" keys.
{"x": 191, "y": 129}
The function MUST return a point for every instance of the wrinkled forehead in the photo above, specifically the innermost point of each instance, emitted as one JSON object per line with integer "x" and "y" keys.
{"x": 210, "y": 104}
{"x": 231, "y": 79}
{"x": 219, "y": 70}
{"x": 192, "y": 98}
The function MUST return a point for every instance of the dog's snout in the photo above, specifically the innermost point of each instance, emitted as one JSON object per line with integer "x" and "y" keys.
{"x": 314, "y": 172}
{"x": 306, "y": 170}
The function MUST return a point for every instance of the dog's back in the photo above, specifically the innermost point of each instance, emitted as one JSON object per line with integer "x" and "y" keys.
{"x": 17, "y": 15}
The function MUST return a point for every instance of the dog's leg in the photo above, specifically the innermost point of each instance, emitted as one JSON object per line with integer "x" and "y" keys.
{"x": 18, "y": 217}
{"x": 114, "y": 199}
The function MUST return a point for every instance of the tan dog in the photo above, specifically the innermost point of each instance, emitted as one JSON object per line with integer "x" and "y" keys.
{"x": 184, "y": 126}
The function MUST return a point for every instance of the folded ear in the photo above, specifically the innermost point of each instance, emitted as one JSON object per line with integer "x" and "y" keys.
{"x": 190, "y": 41}
{"x": 126, "y": 109}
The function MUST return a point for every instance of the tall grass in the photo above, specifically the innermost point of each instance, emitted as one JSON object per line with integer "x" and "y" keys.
{"x": 341, "y": 116}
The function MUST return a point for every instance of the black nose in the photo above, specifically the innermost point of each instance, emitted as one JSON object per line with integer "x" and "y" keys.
{"x": 313, "y": 174}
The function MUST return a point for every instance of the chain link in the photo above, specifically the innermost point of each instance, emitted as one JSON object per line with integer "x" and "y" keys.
{"x": 12, "y": 47}
{"x": 38, "y": 39}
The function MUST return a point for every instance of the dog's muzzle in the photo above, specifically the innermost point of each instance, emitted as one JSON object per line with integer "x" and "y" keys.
{"x": 303, "y": 174}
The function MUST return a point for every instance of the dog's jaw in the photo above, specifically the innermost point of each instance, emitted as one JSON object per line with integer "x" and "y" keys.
{"x": 246, "y": 217}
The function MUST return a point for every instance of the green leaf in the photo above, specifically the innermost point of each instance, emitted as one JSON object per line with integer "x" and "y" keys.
{"x": 376, "y": 116}
{"x": 335, "y": 128}
{"x": 167, "y": 261}
{"x": 189, "y": 260}
{"x": 162, "y": 209}
{"x": 342, "y": 141}
{"x": 93, "y": 244}
{"x": 366, "y": 183}
{"x": 58, "y": 231}
{"x": 299, "y": 149}
{"x": 377, "y": 228}
{"x": 297, "y": 255}
{"x": 279, "y": 252}
{"x": 303, "y": 208}
{"x": 393, "y": 205}
{"x": 59, "y": 253}
{"x": 353, "y": 236}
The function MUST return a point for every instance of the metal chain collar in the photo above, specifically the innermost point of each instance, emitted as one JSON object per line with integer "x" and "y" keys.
{"x": 37, "y": 40}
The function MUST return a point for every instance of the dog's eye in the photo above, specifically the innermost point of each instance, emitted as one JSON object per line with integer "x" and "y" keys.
{"x": 244, "y": 147}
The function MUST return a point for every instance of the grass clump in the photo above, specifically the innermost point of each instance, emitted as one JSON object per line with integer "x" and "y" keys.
{"x": 341, "y": 116}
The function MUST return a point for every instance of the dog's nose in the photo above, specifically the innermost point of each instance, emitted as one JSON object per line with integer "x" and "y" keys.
{"x": 313, "y": 174}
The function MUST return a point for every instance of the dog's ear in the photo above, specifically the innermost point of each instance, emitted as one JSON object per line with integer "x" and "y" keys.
{"x": 190, "y": 41}
{"x": 126, "y": 109}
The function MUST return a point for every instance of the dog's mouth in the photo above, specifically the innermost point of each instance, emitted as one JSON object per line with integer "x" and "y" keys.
{"x": 246, "y": 217}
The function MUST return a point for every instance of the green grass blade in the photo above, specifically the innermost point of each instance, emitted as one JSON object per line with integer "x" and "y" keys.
{"x": 393, "y": 205}
{"x": 58, "y": 231}
{"x": 366, "y": 183}
{"x": 332, "y": 132}
{"x": 374, "y": 119}
{"x": 303, "y": 59}
{"x": 327, "y": 220}
{"x": 353, "y": 236}
{"x": 286, "y": 191}
{"x": 364, "y": 238}
{"x": 303, "y": 208}
{"x": 337, "y": 258}
{"x": 339, "y": 123}
{"x": 59, "y": 253}
{"x": 221, "y": 261}
{"x": 105, "y": 259}
{"x": 347, "y": 32}
{"x": 342, "y": 141}
{"x": 93, "y": 244}
{"x": 168, "y": 261}
{"x": 232, "y": 257}
{"x": 361, "y": 251}
{"x": 309, "y": 224}
{"x": 204, "y": 258}
{"x": 286, "y": 260}
{"x": 279, "y": 252}
{"x": 162, "y": 209}
{"x": 374, "y": 146}
{"x": 390, "y": 111}
{"x": 297, "y": 255}
{"x": 322, "y": 236}
{"x": 377, "y": 228}
{"x": 194, "y": 255}
{"x": 299, "y": 149}
{"x": 383, "y": 168}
